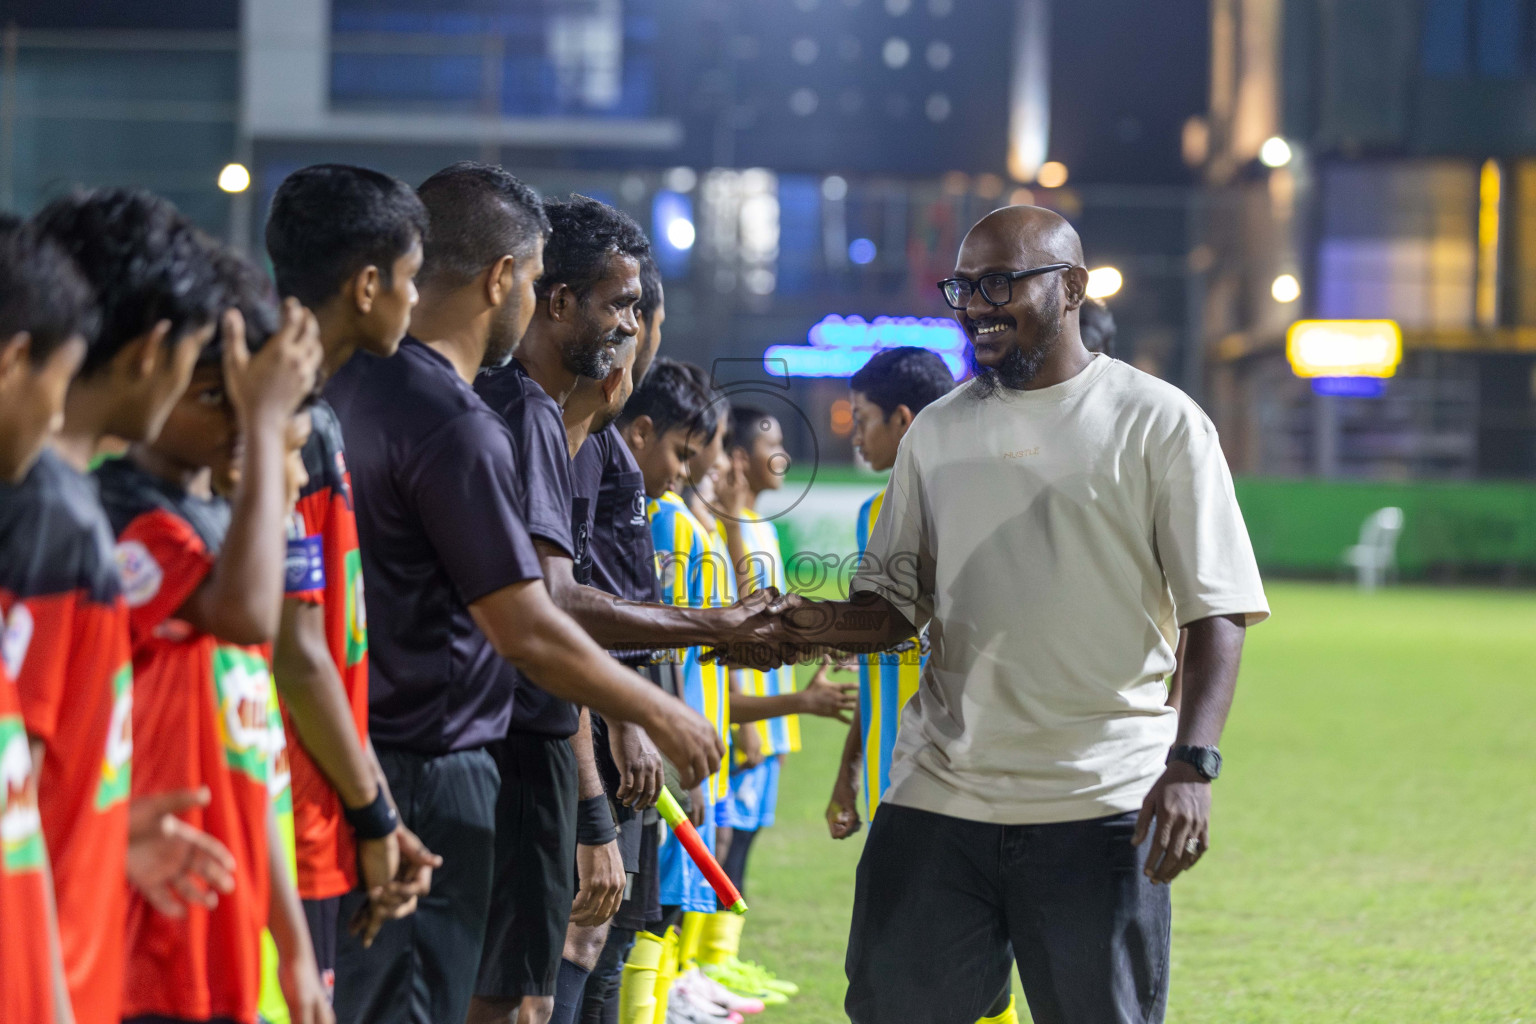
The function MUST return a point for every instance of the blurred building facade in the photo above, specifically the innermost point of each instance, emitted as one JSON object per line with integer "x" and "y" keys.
{"x": 1405, "y": 190}
{"x": 792, "y": 159}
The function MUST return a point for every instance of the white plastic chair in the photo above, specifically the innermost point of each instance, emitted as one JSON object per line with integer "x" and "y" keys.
{"x": 1376, "y": 554}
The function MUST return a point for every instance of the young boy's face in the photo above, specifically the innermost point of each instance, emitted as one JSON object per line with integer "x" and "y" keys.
{"x": 200, "y": 429}
{"x": 706, "y": 462}
{"x": 767, "y": 461}
{"x": 32, "y": 399}
{"x": 662, "y": 457}
{"x": 155, "y": 394}
{"x": 389, "y": 318}
{"x": 876, "y": 436}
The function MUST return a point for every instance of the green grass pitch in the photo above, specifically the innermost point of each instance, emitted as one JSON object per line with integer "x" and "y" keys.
{"x": 1374, "y": 836}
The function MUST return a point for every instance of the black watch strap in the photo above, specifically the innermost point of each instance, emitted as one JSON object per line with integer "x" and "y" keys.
{"x": 1205, "y": 760}
{"x": 374, "y": 821}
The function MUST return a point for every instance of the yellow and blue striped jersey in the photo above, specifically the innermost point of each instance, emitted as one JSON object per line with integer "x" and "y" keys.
{"x": 886, "y": 682}
{"x": 762, "y": 565}
{"x": 695, "y": 574}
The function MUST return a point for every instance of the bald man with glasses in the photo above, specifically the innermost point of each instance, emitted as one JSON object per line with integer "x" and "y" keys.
{"x": 1052, "y": 523}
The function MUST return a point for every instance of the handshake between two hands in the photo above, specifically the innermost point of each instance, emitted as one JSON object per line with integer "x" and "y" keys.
{"x": 768, "y": 629}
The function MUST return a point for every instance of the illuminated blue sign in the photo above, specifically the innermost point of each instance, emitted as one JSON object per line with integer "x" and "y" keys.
{"x": 840, "y": 346}
{"x": 1350, "y": 387}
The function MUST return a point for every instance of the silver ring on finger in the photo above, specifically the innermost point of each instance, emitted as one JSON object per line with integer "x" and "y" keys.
{"x": 1192, "y": 846}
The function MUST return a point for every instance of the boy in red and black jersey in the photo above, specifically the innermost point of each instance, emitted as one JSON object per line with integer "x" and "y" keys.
{"x": 202, "y": 577}
{"x": 46, "y": 312}
{"x": 157, "y": 297}
{"x": 347, "y": 242}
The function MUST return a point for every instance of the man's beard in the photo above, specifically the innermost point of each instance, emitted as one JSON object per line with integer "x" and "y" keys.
{"x": 591, "y": 359}
{"x": 503, "y": 342}
{"x": 1020, "y": 366}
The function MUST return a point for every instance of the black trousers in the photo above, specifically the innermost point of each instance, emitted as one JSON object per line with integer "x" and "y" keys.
{"x": 940, "y": 899}
{"x": 421, "y": 970}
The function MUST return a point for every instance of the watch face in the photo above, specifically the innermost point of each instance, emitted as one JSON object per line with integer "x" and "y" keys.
{"x": 1208, "y": 763}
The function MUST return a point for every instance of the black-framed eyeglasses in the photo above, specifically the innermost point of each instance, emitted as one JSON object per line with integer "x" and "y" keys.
{"x": 997, "y": 289}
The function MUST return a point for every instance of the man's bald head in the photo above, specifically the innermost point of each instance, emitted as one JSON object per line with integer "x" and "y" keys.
{"x": 1032, "y": 234}
{"x": 1017, "y": 342}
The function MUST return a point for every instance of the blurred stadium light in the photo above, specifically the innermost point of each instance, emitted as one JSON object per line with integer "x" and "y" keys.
{"x": 1104, "y": 282}
{"x": 1344, "y": 348}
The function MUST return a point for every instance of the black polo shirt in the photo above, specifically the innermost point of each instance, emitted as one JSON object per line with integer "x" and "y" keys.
{"x": 440, "y": 523}
{"x": 623, "y": 555}
{"x": 544, "y": 467}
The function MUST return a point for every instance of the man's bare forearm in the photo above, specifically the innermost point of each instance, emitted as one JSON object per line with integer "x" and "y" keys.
{"x": 589, "y": 782}
{"x": 616, "y": 623}
{"x": 619, "y": 624}
{"x": 863, "y": 624}
{"x": 317, "y": 705}
{"x": 747, "y": 708}
{"x": 1212, "y": 653}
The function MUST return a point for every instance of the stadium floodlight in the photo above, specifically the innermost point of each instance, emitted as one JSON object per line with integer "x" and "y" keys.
{"x": 1052, "y": 174}
{"x": 234, "y": 178}
{"x": 1275, "y": 152}
{"x": 1104, "y": 282}
{"x": 1285, "y": 288}
{"x": 681, "y": 233}
{"x": 1344, "y": 348}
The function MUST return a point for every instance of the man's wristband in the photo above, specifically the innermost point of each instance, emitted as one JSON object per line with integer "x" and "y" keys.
{"x": 594, "y": 822}
{"x": 374, "y": 821}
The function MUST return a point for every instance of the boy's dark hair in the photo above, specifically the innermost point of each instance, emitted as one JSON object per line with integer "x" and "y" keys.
{"x": 244, "y": 286}
{"x": 1097, "y": 326}
{"x": 747, "y": 424}
{"x": 330, "y": 221}
{"x": 672, "y": 396}
{"x": 42, "y": 292}
{"x": 146, "y": 261}
{"x": 908, "y": 376}
{"x": 478, "y": 213}
{"x": 584, "y": 233}
{"x": 650, "y": 289}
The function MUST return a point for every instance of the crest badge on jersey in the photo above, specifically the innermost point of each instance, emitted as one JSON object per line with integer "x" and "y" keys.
{"x": 15, "y": 639}
{"x": 140, "y": 573}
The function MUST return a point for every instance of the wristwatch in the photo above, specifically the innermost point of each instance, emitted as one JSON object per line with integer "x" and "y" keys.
{"x": 1205, "y": 760}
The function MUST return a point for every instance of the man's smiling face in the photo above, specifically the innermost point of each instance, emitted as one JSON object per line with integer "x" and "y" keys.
{"x": 1011, "y": 342}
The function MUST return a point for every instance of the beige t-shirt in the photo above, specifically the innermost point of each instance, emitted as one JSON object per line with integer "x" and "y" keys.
{"x": 1053, "y": 541}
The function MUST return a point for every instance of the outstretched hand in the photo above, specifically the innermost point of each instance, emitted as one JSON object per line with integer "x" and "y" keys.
{"x": 828, "y": 699}
{"x": 172, "y": 864}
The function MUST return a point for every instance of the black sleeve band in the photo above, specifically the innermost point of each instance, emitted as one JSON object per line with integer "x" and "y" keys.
{"x": 594, "y": 822}
{"x": 375, "y": 821}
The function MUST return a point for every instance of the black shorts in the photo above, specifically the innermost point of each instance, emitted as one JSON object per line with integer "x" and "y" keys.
{"x": 642, "y": 904}
{"x": 535, "y": 877}
{"x": 421, "y": 969}
{"x": 324, "y": 919}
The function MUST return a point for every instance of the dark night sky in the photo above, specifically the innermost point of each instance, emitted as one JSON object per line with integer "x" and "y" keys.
{"x": 1125, "y": 75}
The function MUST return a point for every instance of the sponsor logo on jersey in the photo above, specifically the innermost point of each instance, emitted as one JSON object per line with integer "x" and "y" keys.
{"x": 117, "y": 763}
{"x": 243, "y": 688}
{"x": 140, "y": 573}
{"x": 304, "y": 568}
{"x": 357, "y": 610}
{"x": 21, "y": 837}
